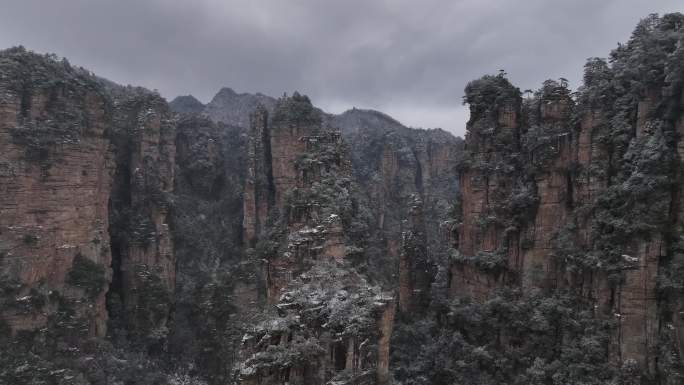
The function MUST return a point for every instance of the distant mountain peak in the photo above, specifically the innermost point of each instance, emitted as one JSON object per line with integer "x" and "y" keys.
{"x": 186, "y": 104}
{"x": 233, "y": 108}
{"x": 230, "y": 92}
{"x": 362, "y": 112}
{"x": 226, "y": 91}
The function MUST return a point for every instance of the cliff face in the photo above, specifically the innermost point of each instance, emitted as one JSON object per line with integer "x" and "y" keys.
{"x": 410, "y": 176}
{"x": 86, "y": 244}
{"x": 217, "y": 289}
{"x": 144, "y": 264}
{"x": 395, "y": 165}
{"x": 293, "y": 161}
{"x": 55, "y": 180}
{"x": 490, "y": 180}
{"x": 124, "y": 223}
{"x": 302, "y": 215}
{"x": 579, "y": 198}
{"x": 259, "y": 189}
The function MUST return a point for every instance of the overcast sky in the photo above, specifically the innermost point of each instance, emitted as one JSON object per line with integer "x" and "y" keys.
{"x": 408, "y": 58}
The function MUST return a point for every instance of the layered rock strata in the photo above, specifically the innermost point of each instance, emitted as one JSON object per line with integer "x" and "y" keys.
{"x": 581, "y": 195}
{"x": 56, "y": 166}
{"x": 300, "y": 210}
{"x": 87, "y": 171}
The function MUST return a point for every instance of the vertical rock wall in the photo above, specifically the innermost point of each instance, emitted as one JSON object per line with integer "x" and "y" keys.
{"x": 396, "y": 168}
{"x": 489, "y": 235}
{"x": 577, "y": 195}
{"x": 55, "y": 177}
{"x": 300, "y": 205}
{"x": 86, "y": 174}
{"x": 259, "y": 188}
{"x": 144, "y": 134}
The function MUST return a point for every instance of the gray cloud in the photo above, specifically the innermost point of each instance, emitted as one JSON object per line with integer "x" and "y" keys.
{"x": 408, "y": 58}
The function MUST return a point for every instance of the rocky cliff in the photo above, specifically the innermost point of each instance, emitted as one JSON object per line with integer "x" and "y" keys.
{"x": 126, "y": 255}
{"x": 395, "y": 166}
{"x": 410, "y": 176}
{"x": 96, "y": 163}
{"x": 56, "y": 177}
{"x": 85, "y": 240}
{"x": 568, "y": 184}
{"x": 303, "y": 218}
{"x": 217, "y": 289}
{"x": 567, "y": 233}
{"x": 142, "y": 137}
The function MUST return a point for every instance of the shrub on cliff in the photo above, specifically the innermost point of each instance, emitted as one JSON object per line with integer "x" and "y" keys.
{"x": 149, "y": 317}
{"x": 295, "y": 110}
{"x": 638, "y": 207}
{"x": 67, "y": 91}
{"x": 489, "y": 93}
{"x": 87, "y": 275}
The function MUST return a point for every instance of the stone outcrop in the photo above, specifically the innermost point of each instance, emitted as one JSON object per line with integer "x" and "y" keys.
{"x": 414, "y": 268}
{"x": 55, "y": 178}
{"x": 491, "y": 176}
{"x": 217, "y": 288}
{"x": 259, "y": 195}
{"x": 300, "y": 207}
{"x": 412, "y": 163}
{"x": 86, "y": 175}
{"x": 73, "y": 151}
{"x": 292, "y": 160}
{"x": 143, "y": 138}
{"x": 571, "y": 195}
{"x": 551, "y": 153}
{"x": 410, "y": 176}
{"x": 124, "y": 221}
